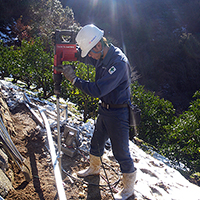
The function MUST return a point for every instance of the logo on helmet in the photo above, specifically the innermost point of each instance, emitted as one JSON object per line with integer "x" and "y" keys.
{"x": 92, "y": 39}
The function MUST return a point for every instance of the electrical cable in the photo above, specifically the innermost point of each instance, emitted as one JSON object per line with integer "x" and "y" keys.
{"x": 85, "y": 182}
{"x": 113, "y": 184}
{"x": 105, "y": 173}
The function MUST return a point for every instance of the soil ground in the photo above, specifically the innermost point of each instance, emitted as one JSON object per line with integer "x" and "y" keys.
{"x": 30, "y": 143}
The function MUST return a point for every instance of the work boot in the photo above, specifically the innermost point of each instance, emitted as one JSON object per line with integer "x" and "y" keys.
{"x": 94, "y": 168}
{"x": 128, "y": 181}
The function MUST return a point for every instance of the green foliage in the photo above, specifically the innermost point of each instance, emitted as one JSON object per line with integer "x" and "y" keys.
{"x": 150, "y": 35}
{"x": 156, "y": 113}
{"x": 178, "y": 138}
{"x": 36, "y": 65}
{"x": 87, "y": 105}
{"x": 5, "y": 60}
{"x": 29, "y": 63}
{"x": 164, "y": 55}
{"x": 183, "y": 142}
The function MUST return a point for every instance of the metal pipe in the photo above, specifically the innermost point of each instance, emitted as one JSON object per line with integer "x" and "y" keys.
{"x": 35, "y": 115}
{"x": 6, "y": 137}
{"x": 57, "y": 171}
{"x": 54, "y": 157}
{"x": 58, "y": 130}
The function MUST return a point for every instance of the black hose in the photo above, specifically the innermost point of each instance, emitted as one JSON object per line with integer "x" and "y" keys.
{"x": 105, "y": 173}
{"x": 80, "y": 180}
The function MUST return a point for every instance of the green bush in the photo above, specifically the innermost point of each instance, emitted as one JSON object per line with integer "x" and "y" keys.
{"x": 87, "y": 105}
{"x": 29, "y": 63}
{"x": 6, "y": 60}
{"x": 177, "y": 138}
{"x": 36, "y": 65}
{"x": 32, "y": 64}
{"x": 183, "y": 144}
{"x": 156, "y": 113}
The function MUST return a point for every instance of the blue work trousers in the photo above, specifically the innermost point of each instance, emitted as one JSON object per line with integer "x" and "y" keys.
{"x": 114, "y": 124}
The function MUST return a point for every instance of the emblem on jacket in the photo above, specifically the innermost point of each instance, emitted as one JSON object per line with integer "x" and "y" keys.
{"x": 112, "y": 70}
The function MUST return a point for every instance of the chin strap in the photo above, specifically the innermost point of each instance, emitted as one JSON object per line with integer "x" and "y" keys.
{"x": 102, "y": 44}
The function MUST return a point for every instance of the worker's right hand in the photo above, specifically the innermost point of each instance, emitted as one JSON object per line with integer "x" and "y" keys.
{"x": 67, "y": 70}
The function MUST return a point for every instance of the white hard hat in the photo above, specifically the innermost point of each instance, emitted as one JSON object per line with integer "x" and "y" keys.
{"x": 88, "y": 37}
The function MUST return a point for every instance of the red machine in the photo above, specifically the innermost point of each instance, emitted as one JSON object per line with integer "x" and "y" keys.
{"x": 65, "y": 50}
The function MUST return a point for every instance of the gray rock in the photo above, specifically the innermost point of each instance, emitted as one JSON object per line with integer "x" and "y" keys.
{"x": 5, "y": 184}
{"x": 3, "y": 161}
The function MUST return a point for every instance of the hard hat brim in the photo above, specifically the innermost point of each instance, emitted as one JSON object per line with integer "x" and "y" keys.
{"x": 83, "y": 54}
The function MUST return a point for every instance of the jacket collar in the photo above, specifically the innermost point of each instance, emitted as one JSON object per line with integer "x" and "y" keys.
{"x": 108, "y": 56}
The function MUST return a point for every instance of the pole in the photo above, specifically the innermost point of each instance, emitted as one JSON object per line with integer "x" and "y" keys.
{"x": 58, "y": 130}
{"x": 57, "y": 171}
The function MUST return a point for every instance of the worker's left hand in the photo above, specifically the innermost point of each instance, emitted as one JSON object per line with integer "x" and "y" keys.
{"x": 67, "y": 70}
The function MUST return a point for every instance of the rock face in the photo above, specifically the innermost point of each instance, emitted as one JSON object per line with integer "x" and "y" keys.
{"x": 155, "y": 180}
{"x": 3, "y": 161}
{"x": 5, "y": 184}
{"x": 5, "y": 115}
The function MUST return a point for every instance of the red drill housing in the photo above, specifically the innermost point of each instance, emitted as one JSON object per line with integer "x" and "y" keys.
{"x": 65, "y": 47}
{"x": 65, "y": 50}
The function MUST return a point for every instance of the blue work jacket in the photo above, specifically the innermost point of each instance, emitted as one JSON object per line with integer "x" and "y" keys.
{"x": 112, "y": 78}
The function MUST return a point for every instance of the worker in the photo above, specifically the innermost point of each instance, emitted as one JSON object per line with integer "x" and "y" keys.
{"x": 111, "y": 86}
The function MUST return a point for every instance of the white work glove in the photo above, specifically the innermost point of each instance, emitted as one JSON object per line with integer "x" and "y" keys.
{"x": 68, "y": 72}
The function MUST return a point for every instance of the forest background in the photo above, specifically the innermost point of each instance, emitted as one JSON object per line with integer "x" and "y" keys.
{"x": 160, "y": 38}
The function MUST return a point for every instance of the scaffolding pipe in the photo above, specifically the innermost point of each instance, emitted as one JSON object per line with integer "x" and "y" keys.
{"x": 58, "y": 130}
{"x": 35, "y": 115}
{"x": 8, "y": 141}
{"x": 57, "y": 171}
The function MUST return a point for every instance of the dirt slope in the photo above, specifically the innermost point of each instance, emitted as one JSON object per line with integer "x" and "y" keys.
{"x": 29, "y": 141}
